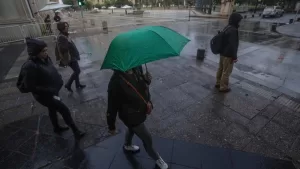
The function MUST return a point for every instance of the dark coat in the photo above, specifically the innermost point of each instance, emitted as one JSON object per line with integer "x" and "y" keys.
{"x": 123, "y": 100}
{"x": 57, "y": 18}
{"x": 67, "y": 46}
{"x": 42, "y": 78}
{"x": 231, "y": 37}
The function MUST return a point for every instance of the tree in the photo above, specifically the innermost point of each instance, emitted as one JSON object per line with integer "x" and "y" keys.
{"x": 88, "y": 4}
{"x": 107, "y": 3}
{"x": 68, "y": 2}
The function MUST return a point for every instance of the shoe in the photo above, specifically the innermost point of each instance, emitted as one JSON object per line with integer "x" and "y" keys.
{"x": 79, "y": 134}
{"x": 217, "y": 86}
{"x": 60, "y": 129}
{"x": 80, "y": 86}
{"x": 69, "y": 89}
{"x": 161, "y": 164}
{"x": 225, "y": 90}
{"x": 131, "y": 148}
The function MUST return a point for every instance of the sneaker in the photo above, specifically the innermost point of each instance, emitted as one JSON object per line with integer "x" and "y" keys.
{"x": 132, "y": 148}
{"x": 161, "y": 164}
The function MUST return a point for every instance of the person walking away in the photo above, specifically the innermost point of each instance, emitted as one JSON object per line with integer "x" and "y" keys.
{"x": 57, "y": 17}
{"x": 48, "y": 23}
{"x": 39, "y": 76}
{"x": 67, "y": 48}
{"x": 128, "y": 96}
{"x": 228, "y": 54}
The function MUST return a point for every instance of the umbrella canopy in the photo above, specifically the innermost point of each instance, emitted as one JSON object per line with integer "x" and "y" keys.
{"x": 112, "y": 7}
{"x": 140, "y": 46}
{"x": 53, "y": 6}
{"x": 126, "y": 7}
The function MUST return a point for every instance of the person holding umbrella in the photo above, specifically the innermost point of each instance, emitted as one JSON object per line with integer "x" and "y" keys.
{"x": 48, "y": 23}
{"x": 128, "y": 94}
{"x": 57, "y": 17}
{"x": 128, "y": 89}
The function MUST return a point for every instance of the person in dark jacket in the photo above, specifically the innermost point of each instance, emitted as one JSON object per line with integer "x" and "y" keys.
{"x": 57, "y": 17}
{"x": 129, "y": 97}
{"x": 48, "y": 23}
{"x": 44, "y": 82}
{"x": 67, "y": 47}
{"x": 229, "y": 52}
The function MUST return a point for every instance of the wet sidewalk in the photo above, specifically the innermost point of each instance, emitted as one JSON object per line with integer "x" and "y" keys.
{"x": 290, "y": 30}
{"x": 28, "y": 148}
{"x": 256, "y": 117}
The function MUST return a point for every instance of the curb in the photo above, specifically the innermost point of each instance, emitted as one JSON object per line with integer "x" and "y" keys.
{"x": 284, "y": 34}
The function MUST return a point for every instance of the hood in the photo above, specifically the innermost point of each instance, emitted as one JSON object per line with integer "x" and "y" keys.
{"x": 235, "y": 19}
{"x": 34, "y": 46}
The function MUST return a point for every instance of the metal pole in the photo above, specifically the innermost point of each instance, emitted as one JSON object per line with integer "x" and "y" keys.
{"x": 81, "y": 11}
{"x": 189, "y": 12}
{"x": 295, "y": 19}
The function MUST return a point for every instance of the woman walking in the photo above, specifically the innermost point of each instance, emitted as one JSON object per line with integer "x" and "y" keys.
{"x": 128, "y": 96}
{"x": 67, "y": 49}
{"x": 40, "y": 77}
{"x": 48, "y": 23}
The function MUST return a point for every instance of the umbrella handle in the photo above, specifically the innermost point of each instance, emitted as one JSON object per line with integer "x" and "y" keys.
{"x": 146, "y": 68}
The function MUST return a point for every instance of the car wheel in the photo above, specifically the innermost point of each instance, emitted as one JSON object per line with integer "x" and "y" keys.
{"x": 263, "y": 16}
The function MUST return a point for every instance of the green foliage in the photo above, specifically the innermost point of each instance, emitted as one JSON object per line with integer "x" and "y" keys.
{"x": 99, "y": 6}
{"x": 88, "y": 4}
{"x": 107, "y": 3}
{"x": 68, "y": 2}
{"x": 119, "y": 3}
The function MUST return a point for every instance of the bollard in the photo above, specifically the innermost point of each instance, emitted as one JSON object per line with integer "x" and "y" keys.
{"x": 259, "y": 14}
{"x": 298, "y": 19}
{"x": 273, "y": 27}
{"x": 291, "y": 21}
{"x": 245, "y": 17}
{"x": 252, "y": 15}
{"x": 200, "y": 54}
{"x": 104, "y": 25}
{"x": 92, "y": 22}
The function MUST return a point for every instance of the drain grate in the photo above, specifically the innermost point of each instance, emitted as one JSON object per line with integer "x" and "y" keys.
{"x": 258, "y": 90}
{"x": 283, "y": 100}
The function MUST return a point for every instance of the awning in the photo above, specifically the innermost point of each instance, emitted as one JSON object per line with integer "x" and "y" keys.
{"x": 53, "y": 6}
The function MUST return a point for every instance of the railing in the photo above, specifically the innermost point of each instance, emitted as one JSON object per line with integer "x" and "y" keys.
{"x": 11, "y": 34}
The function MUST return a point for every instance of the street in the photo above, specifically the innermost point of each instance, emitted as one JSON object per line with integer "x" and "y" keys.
{"x": 257, "y": 125}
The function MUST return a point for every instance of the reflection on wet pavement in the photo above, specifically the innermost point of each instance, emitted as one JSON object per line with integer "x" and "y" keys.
{"x": 258, "y": 116}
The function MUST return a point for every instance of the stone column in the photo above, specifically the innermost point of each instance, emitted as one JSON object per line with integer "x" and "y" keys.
{"x": 226, "y": 7}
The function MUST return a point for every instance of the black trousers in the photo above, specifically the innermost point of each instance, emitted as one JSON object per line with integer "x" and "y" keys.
{"x": 55, "y": 106}
{"x": 75, "y": 75}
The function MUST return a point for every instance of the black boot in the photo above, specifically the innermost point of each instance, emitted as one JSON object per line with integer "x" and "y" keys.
{"x": 60, "y": 129}
{"x": 80, "y": 86}
{"x": 69, "y": 88}
{"x": 79, "y": 134}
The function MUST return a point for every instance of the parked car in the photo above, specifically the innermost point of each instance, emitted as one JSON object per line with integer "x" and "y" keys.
{"x": 95, "y": 10}
{"x": 272, "y": 11}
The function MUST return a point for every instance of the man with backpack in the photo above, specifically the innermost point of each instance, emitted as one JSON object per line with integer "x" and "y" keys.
{"x": 228, "y": 51}
{"x": 39, "y": 76}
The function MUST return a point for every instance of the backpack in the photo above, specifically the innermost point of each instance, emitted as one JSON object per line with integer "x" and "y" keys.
{"x": 216, "y": 43}
{"x": 21, "y": 79}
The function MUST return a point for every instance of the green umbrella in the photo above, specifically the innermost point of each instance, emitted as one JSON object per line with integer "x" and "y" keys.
{"x": 140, "y": 46}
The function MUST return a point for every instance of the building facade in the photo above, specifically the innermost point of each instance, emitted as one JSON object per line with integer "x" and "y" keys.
{"x": 20, "y": 11}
